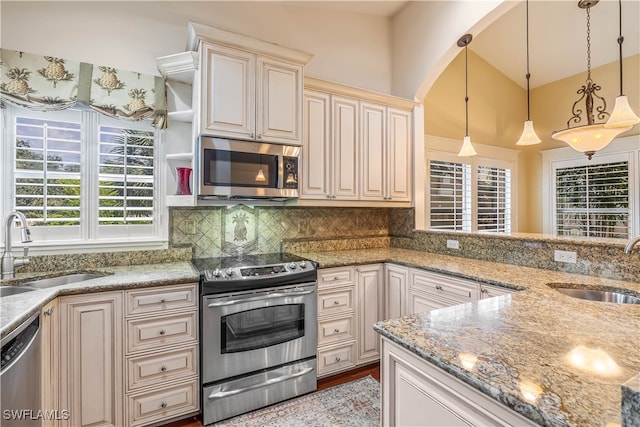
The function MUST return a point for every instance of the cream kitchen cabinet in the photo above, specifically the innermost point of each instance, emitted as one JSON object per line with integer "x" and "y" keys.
{"x": 369, "y": 308}
{"x": 249, "y": 89}
{"x": 428, "y": 291}
{"x": 395, "y": 290}
{"x": 349, "y": 303}
{"x": 357, "y": 147}
{"x": 91, "y": 359}
{"x": 386, "y": 153}
{"x": 161, "y": 359}
{"x": 416, "y": 393}
{"x": 49, "y": 336}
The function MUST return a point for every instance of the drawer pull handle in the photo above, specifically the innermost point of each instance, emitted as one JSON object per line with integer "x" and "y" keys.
{"x": 336, "y": 330}
{"x": 336, "y": 302}
{"x": 336, "y": 278}
{"x": 162, "y": 332}
{"x": 337, "y": 358}
{"x": 163, "y": 300}
{"x": 484, "y": 290}
{"x": 163, "y": 368}
{"x": 48, "y": 311}
{"x": 438, "y": 287}
{"x": 163, "y": 404}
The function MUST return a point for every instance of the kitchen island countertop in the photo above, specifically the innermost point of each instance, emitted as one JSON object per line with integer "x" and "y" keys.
{"x": 536, "y": 336}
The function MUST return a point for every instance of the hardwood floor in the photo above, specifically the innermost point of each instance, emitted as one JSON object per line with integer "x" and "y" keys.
{"x": 324, "y": 383}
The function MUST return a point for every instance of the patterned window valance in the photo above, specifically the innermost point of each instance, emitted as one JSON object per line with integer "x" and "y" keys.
{"x": 45, "y": 83}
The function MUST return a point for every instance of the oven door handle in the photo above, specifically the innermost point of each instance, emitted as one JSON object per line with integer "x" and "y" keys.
{"x": 224, "y": 302}
{"x": 227, "y": 393}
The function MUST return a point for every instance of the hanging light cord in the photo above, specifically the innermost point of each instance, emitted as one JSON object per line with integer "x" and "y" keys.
{"x": 466, "y": 91}
{"x": 528, "y": 75}
{"x": 589, "y": 45}
{"x": 620, "y": 40}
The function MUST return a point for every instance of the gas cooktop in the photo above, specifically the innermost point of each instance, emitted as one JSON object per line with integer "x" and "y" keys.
{"x": 247, "y": 272}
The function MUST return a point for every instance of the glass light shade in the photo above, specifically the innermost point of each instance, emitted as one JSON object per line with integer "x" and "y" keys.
{"x": 529, "y": 136}
{"x": 260, "y": 177}
{"x": 589, "y": 139}
{"x": 467, "y": 149}
{"x": 622, "y": 114}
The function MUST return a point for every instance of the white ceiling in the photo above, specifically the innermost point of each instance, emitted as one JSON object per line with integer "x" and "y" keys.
{"x": 557, "y": 35}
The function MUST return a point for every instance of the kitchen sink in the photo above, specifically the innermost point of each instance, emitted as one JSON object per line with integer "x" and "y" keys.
{"x": 611, "y": 295}
{"x": 6, "y": 291}
{"x": 62, "y": 280}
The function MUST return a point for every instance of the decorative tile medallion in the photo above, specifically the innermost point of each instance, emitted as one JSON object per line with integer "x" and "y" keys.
{"x": 239, "y": 230}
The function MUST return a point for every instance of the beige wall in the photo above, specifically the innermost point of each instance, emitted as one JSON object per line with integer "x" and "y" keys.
{"x": 497, "y": 110}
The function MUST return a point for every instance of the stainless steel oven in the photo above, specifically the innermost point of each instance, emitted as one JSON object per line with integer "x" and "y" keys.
{"x": 258, "y": 332}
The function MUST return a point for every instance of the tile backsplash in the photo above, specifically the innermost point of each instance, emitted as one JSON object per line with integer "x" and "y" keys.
{"x": 224, "y": 231}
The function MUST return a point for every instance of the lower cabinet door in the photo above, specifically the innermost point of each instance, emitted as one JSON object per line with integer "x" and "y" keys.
{"x": 154, "y": 406}
{"x": 91, "y": 358}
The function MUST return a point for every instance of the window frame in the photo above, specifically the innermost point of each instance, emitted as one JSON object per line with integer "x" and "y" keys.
{"x": 89, "y": 236}
{"x": 445, "y": 149}
{"x": 621, "y": 149}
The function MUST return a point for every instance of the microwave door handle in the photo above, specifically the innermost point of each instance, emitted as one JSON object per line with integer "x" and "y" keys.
{"x": 221, "y": 394}
{"x": 225, "y": 302}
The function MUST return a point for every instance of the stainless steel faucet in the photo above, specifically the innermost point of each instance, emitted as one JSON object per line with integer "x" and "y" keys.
{"x": 9, "y": 262}
{"x": 631, "y": 244}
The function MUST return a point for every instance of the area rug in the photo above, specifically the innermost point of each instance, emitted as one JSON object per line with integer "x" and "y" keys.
{"x": 353, "y": 404}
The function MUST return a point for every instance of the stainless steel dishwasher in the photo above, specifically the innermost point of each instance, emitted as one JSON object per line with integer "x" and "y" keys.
{"x": 20, "y": 387}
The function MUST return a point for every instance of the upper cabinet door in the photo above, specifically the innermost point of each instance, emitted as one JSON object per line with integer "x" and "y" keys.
{"x": 279, "y": 101}
{"x": 344, "y": 117}
{"x": 374, "y": 138}
{"x": 228, "y": 92}
{"x": 316, "y": 146}
{"x": 399, "y": 146}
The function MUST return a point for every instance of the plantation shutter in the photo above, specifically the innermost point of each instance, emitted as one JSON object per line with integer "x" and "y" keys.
{"x": 494, "y": 199}
{"x": 593, "y": 200}
{"x": 450, "y": 202}
{"x": 125, "y": 179}
{"x": 47, "y": 170}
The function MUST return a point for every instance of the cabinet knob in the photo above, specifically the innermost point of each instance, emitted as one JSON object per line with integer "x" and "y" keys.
{"x": 337, "y": 331}
{"x": 251, "y": 135}
{"x": 336, "y": 278}
{"x": 162, "y": 332}
{"x": 163, "y": 368}
{"x": 328, "y": 196}
{"x": 338, "y": 358}
{"x": 336, "y": 302}
{"x": 48, "y": 311}
{"x": 438, "y": 287}
{"x": 484, "y": 290}
{"x": 163, "y": 404}
{"x": 259, "y": 136}
{"x": 163, "y": 300}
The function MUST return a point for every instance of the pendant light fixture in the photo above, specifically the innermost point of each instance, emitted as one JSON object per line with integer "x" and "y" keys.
{"x": 622, "y": 114}
{"x": 467, "y": 149}
{"x": 593, "y": 136}
{"x": 529, "y": 136}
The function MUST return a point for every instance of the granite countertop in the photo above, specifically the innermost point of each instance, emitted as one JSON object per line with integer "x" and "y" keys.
{"x": 17, "y": 308}
{"x": 527, "y": 345}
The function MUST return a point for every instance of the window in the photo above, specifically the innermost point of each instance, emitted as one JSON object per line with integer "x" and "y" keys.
{"x": 82, "y": 178}
{"x": 469, "y": 197}
{"x": 593, "y": 200}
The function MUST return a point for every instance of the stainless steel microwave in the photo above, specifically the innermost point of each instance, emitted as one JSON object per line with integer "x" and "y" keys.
{"x": 246, "y": 170}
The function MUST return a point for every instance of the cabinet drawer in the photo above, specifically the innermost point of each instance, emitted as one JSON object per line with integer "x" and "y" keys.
{"x": 443, "y": 287}
{"x": 144, "y": 334}
{"x": 152, "y": 369}
{"x": 333, "y": 330}
{"x": 488, "y": 291}
{"x": 335, "y": 301}
{"x": 331, "y": 277}
{"x": 162, "y": 404}
{"x": 160, "y": 299}
{"x": 336, "y": 358}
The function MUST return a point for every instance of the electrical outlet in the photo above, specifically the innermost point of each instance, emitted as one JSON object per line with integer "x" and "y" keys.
{"x": 565, "y": 256}
{"x": 453, "y": 244}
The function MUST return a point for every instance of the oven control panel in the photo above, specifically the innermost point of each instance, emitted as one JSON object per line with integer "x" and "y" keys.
{"x": 243, "y": 273}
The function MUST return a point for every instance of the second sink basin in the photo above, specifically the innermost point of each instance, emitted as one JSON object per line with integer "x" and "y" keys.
{"x": 62, "y": 280}
{"x": 596, "y": 294}
{"x": 6, "y": 291}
